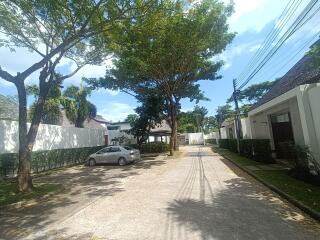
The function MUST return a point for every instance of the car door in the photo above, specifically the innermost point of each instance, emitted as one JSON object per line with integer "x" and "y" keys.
{"x": 115, "y": 153}
{"x": 102, "y": 155}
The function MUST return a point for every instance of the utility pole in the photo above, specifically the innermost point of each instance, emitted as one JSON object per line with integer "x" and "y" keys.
{"x": 237, "y": 117}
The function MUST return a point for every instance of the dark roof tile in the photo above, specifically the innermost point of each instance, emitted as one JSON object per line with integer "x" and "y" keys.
{"x": 303, "y": 72}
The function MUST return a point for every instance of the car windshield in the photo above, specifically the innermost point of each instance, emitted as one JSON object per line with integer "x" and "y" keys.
{"x": 104, "y": 150}
{"x": 128, "y": 148}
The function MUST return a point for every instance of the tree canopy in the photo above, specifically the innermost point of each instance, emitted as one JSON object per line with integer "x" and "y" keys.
{"x": 196, "y": 121}
{"x": 77, "y": 107}
{"x": 149, "y": 114}
{"x": 315, "y": 54}
{"x": 80, "y": 31}
{"x": 52, "y": 108}
{"x": 170, "y": 50}
{"x": 222, "y": 113}
{"x": 254, "y": 92}
{"x": 251, "y": 95}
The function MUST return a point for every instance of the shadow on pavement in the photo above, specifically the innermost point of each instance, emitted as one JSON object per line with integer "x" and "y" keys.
{"x": 240, "y": 210}
{"x": 83, "y": 185}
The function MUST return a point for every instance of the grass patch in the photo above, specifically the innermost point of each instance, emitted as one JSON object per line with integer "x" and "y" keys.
{"x": 237, "y": 158}
{"x": 303, "y": 192}
{"x": 10, "y": 194}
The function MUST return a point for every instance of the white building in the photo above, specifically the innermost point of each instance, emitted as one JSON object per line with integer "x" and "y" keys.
{"x": 290, "y": 111}
{"x": 118, "y": 133}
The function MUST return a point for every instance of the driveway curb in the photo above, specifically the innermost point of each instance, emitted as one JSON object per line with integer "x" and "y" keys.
{"x": 314, "y": 214}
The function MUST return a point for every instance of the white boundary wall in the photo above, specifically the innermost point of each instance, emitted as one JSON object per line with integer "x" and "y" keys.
{"x": 195, "y": 138}
{"x": 50, "y": 137}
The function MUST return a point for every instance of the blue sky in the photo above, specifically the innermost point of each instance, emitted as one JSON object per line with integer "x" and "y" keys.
{"x": 252, "y": 21}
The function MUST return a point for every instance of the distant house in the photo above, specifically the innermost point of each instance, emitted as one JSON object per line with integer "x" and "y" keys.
{"x": 118, "y": 133}
{"x": 161, "y": 133}
{"x": 228, "y": 129}
{"x": 290, "y": 111}
{"x": 9, "y": 109}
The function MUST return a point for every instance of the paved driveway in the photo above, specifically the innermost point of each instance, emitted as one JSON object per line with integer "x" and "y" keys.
{"x": 198, "y": 196}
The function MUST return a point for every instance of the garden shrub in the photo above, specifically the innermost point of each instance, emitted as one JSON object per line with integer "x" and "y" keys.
{"x": 246, "y": 149}
{"x": 154, "y": 147}
{"x": 305, "y": 166}
{"x": 233, "y": 146}
{"x": 46, "y": 160}
{"x": 262, "y": 150}
{"x": 211, "y": 141}
{"x": 224, "y": 143}
{"x": 230, "y": 144}
{"x": 257, "y": 149}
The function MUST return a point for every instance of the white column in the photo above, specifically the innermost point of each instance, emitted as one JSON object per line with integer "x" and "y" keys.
{"x": 307, "y": 122}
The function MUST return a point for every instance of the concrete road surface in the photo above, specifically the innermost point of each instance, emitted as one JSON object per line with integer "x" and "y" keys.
{"x": 197, "y": 196}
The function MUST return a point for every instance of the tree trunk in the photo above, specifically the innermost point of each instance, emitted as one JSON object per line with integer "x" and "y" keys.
{"x": 24, "y": 170}
{"x": 170, "y": 122}
{"x": 176, "y": 143}
{"x": 171, "y": 144}
{"x": 27, "y": 138}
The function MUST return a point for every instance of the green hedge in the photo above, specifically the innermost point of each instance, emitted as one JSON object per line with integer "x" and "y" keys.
{"x": 257, "y": 149}
{"x": 211, "y": 141}
{"x": 155, "y": 147}
{"x": 46, "y": 160}
{"x": 262, "y": 150}
{"x": 246, "y": 148}
{"x": 230, "y": 144}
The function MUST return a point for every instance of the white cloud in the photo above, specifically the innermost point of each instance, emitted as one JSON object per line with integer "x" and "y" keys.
{"x": 5, "y": 84}
{"x": 243, "y": 7}
{"x": 116, "y": 111}
{"x": 254, "y": 47}
{"x": 107, "y": 91}
{"x": 21, "y": 59}
{"x": 236, "y": 50}
{"x": 188, "y": 109}
{"x": 113, "y": 92}
{"x": 254, "y": 15}
{"x": 89, "y": 71}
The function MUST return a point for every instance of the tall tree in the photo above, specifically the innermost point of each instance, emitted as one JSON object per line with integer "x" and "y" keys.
{"x": 77, "y": 107}
{"x": 210, "y": 124}
{"x": 187, "y": 122}
{"x": 254, "y": 92}
{"x": 251, "y": 95}
{"x": 223, "y": 112}
{"x": 51, "y": 113}
{"x": 200, "y": 115}
{"x": 192, "y": 121}
{"x": 171, "y": 50}
{"x": 77, "y": 30}
{"x": 131, "y": 118}
{"x": 149, "y": 114}
{"x": 314, "y": 53}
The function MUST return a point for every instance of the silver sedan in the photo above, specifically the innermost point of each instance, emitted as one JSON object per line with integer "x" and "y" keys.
{"x": 121, "y": 155}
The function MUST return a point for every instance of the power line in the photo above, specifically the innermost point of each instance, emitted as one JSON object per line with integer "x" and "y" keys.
{"x": 304, "y": 46}
{"x": 300, "y": 42}
{"x": 285, "y": 16}
{"x": 298, "y": 23}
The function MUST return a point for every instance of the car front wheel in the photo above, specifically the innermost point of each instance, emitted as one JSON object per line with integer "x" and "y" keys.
{"x": 92, "y": 162}
{"x": 122, "y": 161}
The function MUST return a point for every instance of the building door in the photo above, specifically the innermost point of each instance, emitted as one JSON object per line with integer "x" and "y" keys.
{"x": 282, "y": 133}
